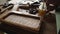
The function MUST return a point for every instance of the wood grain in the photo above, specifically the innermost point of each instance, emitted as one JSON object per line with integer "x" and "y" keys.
{"x": 24, "y": 21}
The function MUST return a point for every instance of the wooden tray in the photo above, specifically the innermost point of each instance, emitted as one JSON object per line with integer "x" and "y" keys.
{"x": 26, "y": 22}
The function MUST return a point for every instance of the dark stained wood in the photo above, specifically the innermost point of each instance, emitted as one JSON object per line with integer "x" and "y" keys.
{"x": 50, "y": 25}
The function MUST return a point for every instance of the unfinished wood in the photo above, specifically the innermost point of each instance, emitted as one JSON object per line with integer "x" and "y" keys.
{"x": 24, "y": 22}
{"x": 25, "y": 13}
{"x": 3, "y": 10}
{"x": 4, "y": 13}
{"x": 28, "y": 22}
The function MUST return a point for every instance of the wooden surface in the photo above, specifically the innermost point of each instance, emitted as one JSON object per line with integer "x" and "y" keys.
{"x": 49, "y": 27}
{"x": 23, "y": 22}
{"x": 4, "y": 9}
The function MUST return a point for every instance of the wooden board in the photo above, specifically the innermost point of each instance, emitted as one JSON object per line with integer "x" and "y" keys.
{"x": 21, "y": 20}
{"x": 25, "y": 21}
{"x": 4, "y": 9}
